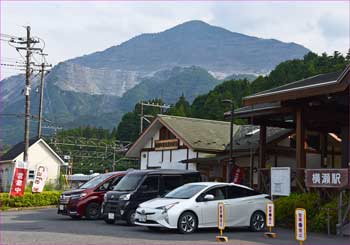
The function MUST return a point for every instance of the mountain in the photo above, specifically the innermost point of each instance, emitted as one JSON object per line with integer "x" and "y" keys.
{"x": 98, "y": 88}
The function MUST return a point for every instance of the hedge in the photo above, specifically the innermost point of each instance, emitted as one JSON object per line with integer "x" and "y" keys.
{"x": 29, "y": 200}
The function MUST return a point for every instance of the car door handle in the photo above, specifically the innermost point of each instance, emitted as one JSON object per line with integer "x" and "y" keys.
{"x": 226, "y": 204}
{"x": 250, "y": 202}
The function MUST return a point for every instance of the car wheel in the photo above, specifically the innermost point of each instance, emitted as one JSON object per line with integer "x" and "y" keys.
{"x": 257, "y": 221}
{"x": 109, "y": 221}
{"x": 92, "y": 211}
{"x": 130, "y": 217}
{"x": 187, "y": 223}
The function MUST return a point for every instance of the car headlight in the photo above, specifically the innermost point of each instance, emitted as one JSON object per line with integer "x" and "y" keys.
{"x": 78, "y": 196}
{"x": 125, "y": 197}
{"x": 167, "y": 207}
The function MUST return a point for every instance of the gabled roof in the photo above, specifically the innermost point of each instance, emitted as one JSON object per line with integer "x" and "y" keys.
{"x": 18, "y": 149}
{"x": 197, "y": 134}
{"x": 312, "y": 86}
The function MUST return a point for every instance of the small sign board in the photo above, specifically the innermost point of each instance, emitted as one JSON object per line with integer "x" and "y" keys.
{"x": 300, "y": 224}
{"x": 40, "y": 179}
{"x": 280, "y": 181}
{"x": 327, "y": 178}
{"x": 270, "y": 214}
{"x": 171, "y": 144}
{"x": 221, "y": 216}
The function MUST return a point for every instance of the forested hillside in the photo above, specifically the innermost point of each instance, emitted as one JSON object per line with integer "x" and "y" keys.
{"x": 210, "y": 106}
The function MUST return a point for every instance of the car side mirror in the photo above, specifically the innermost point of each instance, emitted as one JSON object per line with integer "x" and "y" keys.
{"x": 208, "y": 197}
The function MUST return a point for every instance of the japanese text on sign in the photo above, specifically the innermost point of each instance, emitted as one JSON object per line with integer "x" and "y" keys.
{"x": 270, "y": 213}
{"x": 221, "y": 216}
{"x": 326, "y": 178}
{"x": 300, "y": 224}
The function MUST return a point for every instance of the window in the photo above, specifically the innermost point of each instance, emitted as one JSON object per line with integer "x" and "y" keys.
{"x": 171, "y": 182}
{"x": 219, "y": 193}
{"x": 165, "y": 134}
{"x": 31, "y": 174}
{"x": 115, "y": 181}
{"x": 191, "y": 178}
{"x": 237, "y": 192}
{"x": 150, "y": 184}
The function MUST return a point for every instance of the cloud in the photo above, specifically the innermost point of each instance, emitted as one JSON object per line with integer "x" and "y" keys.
{"x": 72, "y": 29}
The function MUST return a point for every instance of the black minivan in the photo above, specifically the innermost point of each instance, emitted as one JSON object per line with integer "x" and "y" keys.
{"x": 139, "y": 186}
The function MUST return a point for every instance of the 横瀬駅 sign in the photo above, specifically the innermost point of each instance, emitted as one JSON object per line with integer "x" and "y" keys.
{"x": 327, "y": 178}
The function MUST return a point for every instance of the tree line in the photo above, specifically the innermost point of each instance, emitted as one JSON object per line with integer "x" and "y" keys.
{"x": 210, "y": 105}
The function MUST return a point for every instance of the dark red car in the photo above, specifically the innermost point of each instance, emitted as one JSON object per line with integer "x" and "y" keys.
{"x": 87, "y": 199}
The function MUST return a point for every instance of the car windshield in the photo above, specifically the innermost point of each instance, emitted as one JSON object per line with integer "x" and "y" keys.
{"x": 95, "y": 181}
{"x": 185, "y": 191}
{"x": 128, "y": 183}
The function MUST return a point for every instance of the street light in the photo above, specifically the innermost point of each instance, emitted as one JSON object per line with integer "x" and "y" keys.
{"x": 228, "y": 101}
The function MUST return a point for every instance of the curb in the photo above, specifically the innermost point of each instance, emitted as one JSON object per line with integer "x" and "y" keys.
{"x": 28, "y": 208}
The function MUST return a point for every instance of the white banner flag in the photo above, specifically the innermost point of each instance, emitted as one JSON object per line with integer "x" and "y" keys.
{"x": 40, "y": 179}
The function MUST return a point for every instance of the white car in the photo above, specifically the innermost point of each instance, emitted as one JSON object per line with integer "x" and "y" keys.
{"x": 195, "y": 205}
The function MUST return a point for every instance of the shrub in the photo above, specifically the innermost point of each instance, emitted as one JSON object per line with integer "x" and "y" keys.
{"x": 29, "y": 200}
{"x": 285, "y": 207}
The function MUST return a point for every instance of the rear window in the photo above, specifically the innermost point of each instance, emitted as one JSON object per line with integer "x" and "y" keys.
{"x": 191, "y": 178}
{"x": 171, "y": 182}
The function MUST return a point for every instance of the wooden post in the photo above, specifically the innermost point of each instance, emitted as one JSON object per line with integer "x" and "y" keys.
{"x": 300, "y": 145}
{"x": 345, "y": 147}
{"x": 262, "y": 153}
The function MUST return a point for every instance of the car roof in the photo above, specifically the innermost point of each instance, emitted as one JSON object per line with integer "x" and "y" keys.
{"x": 210, "y": 184}
{"x": 163, "y": 171}
{"x": 115, "y": 173}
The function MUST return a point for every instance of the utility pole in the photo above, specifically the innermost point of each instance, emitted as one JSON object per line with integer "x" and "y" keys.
{"x": 144, "y": 117}
{"x": 43, "y": 65}
{"x": 27, "y": 94}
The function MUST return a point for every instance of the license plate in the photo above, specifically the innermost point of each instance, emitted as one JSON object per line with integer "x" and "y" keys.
{"x": 142, "y": 218}
{"x": 110, "y": 215}
{"x": 61, "y": 207}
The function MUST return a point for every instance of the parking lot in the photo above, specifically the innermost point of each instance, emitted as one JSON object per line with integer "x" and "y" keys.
{"x": 44, "y": 226}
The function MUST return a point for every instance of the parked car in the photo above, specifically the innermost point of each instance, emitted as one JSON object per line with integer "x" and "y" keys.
{"x": 139, "y": 186}
{"x": 87, "y": 199}
{"x": 195, "y": 206}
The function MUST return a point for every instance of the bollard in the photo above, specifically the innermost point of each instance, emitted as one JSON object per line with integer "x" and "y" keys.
{"x": 221, "y": 222}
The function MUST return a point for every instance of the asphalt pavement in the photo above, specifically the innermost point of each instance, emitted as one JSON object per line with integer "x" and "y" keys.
{"x": 44, "y": 226}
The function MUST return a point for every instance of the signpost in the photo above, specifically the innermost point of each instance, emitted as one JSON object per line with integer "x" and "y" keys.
{"x": 19, "y": 179}
{"x": 221, "y": 222}
{"x": 270, "y": 220}
{"x": 300, "y": 225}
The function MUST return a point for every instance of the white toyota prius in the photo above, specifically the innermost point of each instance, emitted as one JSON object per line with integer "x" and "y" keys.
{"x": 195, "y": 205}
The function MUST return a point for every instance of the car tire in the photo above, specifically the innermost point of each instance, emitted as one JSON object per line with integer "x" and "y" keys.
{"x": 257, "y": 221}
{"x": 93, "y": 211}
{"x": 109, "y": 221}
{"x": 187, "y": 223}
{"x": 130, "y": 217}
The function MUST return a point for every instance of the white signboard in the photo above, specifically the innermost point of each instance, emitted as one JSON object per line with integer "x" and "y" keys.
{"x": 280, "y": 181}
{"x": 300, "y": 224}
{"x": 40, "y": 179}
{"x": 270, "y": 215}
{"x": 221, "y": 216}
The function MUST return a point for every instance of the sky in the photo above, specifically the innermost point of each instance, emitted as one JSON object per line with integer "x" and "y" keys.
{"x": 72, "y": 29}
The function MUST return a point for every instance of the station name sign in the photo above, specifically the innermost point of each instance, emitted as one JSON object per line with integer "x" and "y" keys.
{"x": 171, "y": 144}
{"x": 327, "y": 178}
